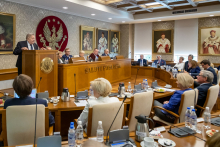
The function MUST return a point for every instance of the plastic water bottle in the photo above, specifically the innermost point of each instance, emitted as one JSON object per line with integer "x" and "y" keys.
{"x": 187, "y": 117}
{"x": 146, "y": 85}
{"x": 193, "y": 120}
{"x": 143, "y": 84}
{"x": 129, "y": 86}
{"x": 207, "y": 118}
{"x": 100, "y": 132}
{"x": 71, "y": 136}
{"x": 191, "y": 107}
{"x": 71, "y": 124}
{"x": 79, "y": 134}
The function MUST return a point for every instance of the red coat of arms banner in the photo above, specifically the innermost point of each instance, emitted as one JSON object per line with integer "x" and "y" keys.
{"x": 51, "y": 31}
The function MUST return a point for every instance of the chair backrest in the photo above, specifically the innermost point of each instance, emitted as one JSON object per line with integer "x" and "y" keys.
{"x": 20, "y": 122}
{"x": 106, "y": 114}
{"x": 211, "y": 97}
{"x": 187, "y": 100}
{"x": 141, "y": 103}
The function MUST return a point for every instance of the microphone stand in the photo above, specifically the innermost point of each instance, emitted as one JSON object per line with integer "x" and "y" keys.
{"x": 107, "y": 142}
{"x": 76, "y": 99}
{"x": 136, "y": 77}
{"x": 36, "y": 114}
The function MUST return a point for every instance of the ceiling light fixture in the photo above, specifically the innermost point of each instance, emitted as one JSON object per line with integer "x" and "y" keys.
{"x": 154, "y": 3}
{"x": 65, "y": 7}
{"x": 211, "y": 15}
{"x": 93, "y": 14}
{"x": 109, "y": 18}
{"x": 159, "y": 20}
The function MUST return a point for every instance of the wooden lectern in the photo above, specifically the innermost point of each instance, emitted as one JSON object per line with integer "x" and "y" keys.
{"x": 42, "y": 63}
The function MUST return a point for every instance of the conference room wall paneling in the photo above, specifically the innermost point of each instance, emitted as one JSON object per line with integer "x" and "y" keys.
{"x": 28, "y": 17}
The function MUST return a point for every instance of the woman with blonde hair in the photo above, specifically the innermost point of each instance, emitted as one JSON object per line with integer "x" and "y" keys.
{"x": 214, "y": 141}
{"x": 101, "y": 88}
{"x": 184, "y": 81}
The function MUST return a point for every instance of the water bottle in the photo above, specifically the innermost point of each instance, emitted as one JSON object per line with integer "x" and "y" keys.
{"x": 187, "y": 117}
{"x": 193, "y": 120}
{"x": 143, "y": 84}
{"x": 100, "y": 132}
{"x": 191, "y": 107}
{"x": 71, "y": 136}
{"x": 71, "y": 124}
{"x": 79, "y": 134}
{"x": 146, "y": 85}
{"x": 207, "y": 118}
{"x": 129, "y": 86}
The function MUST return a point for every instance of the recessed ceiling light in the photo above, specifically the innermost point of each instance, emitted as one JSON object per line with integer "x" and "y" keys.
{"x": 154, "y": 3}
{"x": 65, "y": 7}
{"x": 159, "y": 20}
{"x": 211, "y": 15}
{"x": 109, "y": 18}
{"x": 93, "y": 14}
{"x": 123, "y": 21}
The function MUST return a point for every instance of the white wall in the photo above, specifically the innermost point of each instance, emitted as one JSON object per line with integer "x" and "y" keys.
{"x": 143, "y": 38}
{"x": 186, "y": 37}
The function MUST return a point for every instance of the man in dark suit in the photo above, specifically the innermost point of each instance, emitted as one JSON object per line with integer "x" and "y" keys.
{"x": 205, "y": 79}
{"x": 142, "y": 61}
{"x": 94, "y": 56}
{"x": 160, "y": 61}
{"x": 186, "y": 66}
{"x": 206, "y": 65}
{"x": 26, "y": 83}
{"x": 67, "y": 55}
{"x": 106, "y": 52}
{"x": 29, "y": 44}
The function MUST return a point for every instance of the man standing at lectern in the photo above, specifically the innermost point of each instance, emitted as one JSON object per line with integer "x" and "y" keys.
{"x": 29, "y": 44}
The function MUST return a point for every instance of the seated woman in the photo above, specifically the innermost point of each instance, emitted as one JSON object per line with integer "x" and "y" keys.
{"x": 180, "y": 65}
{"x": 184, "y": 81}
{"x": 23, "y": 86}
{"x": 101, "y": 88}
{"x": 194, "y": 68}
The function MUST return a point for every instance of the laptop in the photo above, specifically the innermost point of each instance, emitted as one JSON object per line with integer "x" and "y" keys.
{"x": 33, "y": 93}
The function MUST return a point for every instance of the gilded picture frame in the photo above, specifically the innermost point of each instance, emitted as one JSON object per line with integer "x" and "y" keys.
{"x": 209, "y": 41}
{"x": 114, "y": 44}
{"x": 156, "y": 40}
{"x": 87, "y": 39}
{"x": 99, "y": 46}
{"x": 7, "y": 33}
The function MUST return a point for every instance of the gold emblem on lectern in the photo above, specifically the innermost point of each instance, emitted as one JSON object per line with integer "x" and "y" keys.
{"x": 46, "y": 65}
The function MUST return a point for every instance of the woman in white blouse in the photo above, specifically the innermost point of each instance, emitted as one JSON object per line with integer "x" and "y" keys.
{"x": 180, "y": 65}
{"x": 101, "y": 88}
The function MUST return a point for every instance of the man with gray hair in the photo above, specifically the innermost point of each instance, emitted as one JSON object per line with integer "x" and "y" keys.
{"x": 28, "y": 44}
{"x": 205, "y": 79}
{"x": 142, "y": 61}
{"x": 159, "y": 61}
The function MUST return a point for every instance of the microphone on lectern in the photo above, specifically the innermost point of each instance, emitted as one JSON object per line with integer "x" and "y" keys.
{"x": 136, "y": 77}
{"x": 36, "y": 114}
{"x": 107, "y": 140}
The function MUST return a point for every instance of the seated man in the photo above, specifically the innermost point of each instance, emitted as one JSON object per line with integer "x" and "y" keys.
{"x": 207, "y": 66}
{"x": 186, "y": 66}
{"x": 94, "y": 56}
{"x": 160, "y": 61}
{"x": 101, "y": 88}
{"x": 23, "y": 85}
{"x": 205, "y": 79}
{"x": 67, "y": 55}
{"x": 106, "y": 52}
{"x": 142, "y": 60}
{"x": 60, "y": 58}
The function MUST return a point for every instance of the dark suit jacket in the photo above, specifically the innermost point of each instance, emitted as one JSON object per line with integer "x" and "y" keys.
{"x": 186, "y": 66}
{"x": 92, "y": 55}
{"x": 144, "y": 62}
{"x": 214, "y": 73}
{"x": 162, "y": 62}
{"x": 28, "y": 101}
{"x": 105, "y": 54}
{"x": 18, "y": 51}
{"x": 194, "y": 71}
{"x": 203, "y": 90}
{"x": 61, "y": 59}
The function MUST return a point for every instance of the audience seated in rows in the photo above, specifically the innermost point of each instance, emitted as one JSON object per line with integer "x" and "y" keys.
{"x": 23, "y": 86}
{"x": 180, "y": 64}
{"x": 184, "y": 81}
{"x": 101, "y": 88}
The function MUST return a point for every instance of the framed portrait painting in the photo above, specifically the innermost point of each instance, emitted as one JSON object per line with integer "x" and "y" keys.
{"x": 209, "y": 41}
{"x": 162, "y": 41}
{"x": 114, "y": 41}
{"x": 7, "y": 33}
{"x": 102, "y": 41}
{"x": 87, "y": 38}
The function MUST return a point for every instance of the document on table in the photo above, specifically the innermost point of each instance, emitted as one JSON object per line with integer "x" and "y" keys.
{"x": 81, "y": 103}
{"x": 170, "y": 90}
{"x": 25, "y": 146}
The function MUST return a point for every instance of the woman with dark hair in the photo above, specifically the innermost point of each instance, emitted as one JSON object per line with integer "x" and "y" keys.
{"x": 194, "y": 68}
{"x": 23, "y": 86}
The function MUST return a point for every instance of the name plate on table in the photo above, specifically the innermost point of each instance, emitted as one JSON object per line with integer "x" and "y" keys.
{"x": 101, "y": 68}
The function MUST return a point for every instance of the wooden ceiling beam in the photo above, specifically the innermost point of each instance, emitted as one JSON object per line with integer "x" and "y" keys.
{"x": 192, "y": 3}
{"x": 133, "y": 9}
{"x": 165, "y": 5}
{"x": 177, "y": 2}
{"x": 144, "y": 2}
{"x": 124, "y": 5}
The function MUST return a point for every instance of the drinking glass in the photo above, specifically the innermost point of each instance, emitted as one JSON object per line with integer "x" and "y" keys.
{"x": 55, "y": 101}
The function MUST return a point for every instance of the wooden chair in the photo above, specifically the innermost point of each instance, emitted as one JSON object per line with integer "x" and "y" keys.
{"x": 106, "y": 114}
{"x": 187, "y": 100}
{"x": 141, "y": 103}
{"x": 18, "y": 124}
{"x": 211, "y": 99}
{"x": 119, "y": 57}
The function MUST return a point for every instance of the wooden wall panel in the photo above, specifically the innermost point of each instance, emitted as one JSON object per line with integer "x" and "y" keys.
{"x": 8, "y": 74}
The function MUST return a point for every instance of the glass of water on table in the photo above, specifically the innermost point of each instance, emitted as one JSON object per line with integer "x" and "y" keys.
{"x": 55, "y": 101}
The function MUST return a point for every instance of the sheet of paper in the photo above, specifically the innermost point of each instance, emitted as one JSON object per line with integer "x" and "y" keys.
{"x": 160, "y": 129}
{"x": 25, "y": 146}
{"x": 93, "y": 138}
{"x": 170, "y": 90}
{"x": 71, "y": 95}
{"x": 200, "y": 120}
{"x": 81, "y": 103}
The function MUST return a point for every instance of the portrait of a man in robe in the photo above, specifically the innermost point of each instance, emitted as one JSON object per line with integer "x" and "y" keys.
{"x": 102, "y": 40}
